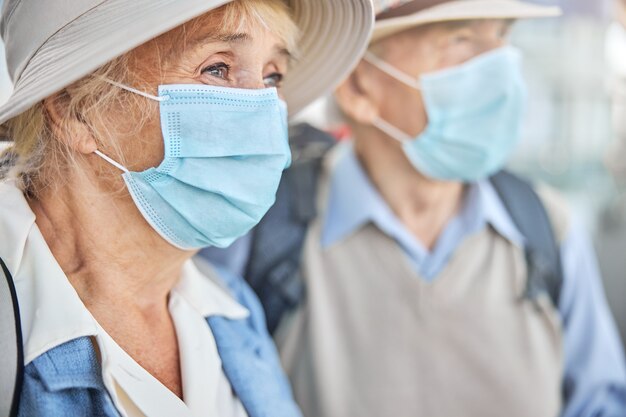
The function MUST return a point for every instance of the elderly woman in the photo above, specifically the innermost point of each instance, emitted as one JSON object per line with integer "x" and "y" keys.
{"x": 142, "y": 131}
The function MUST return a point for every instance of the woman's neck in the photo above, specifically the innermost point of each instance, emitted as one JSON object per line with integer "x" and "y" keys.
{"x": 424, "y": 206}
{"x": 122, "y": 270}
{"x": 108, "y": 251}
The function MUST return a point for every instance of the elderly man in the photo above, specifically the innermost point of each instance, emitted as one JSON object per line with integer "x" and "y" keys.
{"x": 436, "y": 286}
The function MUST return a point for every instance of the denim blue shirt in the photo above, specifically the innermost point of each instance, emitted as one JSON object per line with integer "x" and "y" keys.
{"x": 595, "y": 372}
{"x": 66, "y": 381}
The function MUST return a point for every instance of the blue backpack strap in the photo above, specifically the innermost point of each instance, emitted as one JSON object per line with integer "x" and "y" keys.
{"x": 543, "y": 258}
{"x": 273, "y": 269}
{"x": 11, "y": 346}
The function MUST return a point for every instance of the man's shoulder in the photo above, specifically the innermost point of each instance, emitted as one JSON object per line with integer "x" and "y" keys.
{"x": 532, "y": 203}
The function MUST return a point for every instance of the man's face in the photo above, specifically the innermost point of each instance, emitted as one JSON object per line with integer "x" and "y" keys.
{"x": 425, "y": 50}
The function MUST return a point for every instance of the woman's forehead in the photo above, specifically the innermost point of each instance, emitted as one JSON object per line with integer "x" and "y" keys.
{"x": 254, "y": 19}
{"x": 237, "y": 26}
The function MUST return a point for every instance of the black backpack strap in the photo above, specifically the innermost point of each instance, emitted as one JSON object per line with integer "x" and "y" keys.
{"x": 11, "y": 348}
{"x": 543, "y": 258}
{"x": 273, "y": 269}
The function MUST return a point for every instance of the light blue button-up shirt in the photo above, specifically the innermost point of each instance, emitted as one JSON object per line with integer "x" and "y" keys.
{"x": 595, "y": 372}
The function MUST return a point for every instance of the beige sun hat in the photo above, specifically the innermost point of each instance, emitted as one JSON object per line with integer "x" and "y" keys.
{"x": 399, "y": 15}
{"x": 49, "y": 45}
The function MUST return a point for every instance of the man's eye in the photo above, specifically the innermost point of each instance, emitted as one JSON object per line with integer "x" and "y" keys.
{"x": 273, "y": 80}
{"x": 460, "y": 38}
{"x": 220, "y": 70}
{"x": 505, "y": 32}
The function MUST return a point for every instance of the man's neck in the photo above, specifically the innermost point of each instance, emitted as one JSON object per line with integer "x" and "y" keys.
{"x": 423, "y": 205}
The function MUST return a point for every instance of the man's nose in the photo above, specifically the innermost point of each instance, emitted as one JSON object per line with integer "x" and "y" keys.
{"x": 491, "y": 44}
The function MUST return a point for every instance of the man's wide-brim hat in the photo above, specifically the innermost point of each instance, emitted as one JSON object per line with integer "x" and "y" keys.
{"x": 51, "y": 44}
{"x": 400, "y": 15}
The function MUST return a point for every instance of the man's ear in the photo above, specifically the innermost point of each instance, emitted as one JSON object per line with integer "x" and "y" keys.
{"x": 67, "y": 128}
{"x": 357, "y": 96}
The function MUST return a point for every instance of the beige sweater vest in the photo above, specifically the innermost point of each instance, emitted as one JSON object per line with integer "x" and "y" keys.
{"x": 374, "y": 339}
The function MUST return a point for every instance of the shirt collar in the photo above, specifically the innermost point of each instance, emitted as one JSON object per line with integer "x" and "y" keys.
{"x": 354, "y": 201}
{"x": 51, "y": 311}
{"x": 198, "y": 285}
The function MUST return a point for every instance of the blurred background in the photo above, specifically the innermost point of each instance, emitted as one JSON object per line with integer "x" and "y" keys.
{"x": 575, "y": 138}
{"x": 575, "y": 66}
{"x": 577, "y": 73}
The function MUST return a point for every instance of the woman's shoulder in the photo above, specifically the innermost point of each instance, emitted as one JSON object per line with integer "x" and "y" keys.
{"x": 236, "y": 287}
{"x": 65, "y": 381}
{"x": 16, "y": 222}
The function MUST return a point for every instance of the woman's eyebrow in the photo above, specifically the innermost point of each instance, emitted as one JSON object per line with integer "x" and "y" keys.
{"x": 202, "y": 41}
{"x": 220, "y": 37}
{"x": 232, "y": 37}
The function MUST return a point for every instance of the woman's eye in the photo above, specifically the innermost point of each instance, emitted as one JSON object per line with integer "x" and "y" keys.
{"x": 220, "y": 70}
{"x": 273, "y": 80}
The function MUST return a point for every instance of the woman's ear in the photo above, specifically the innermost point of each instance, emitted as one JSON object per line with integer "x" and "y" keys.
{"x": 67, "y": 128}
{"x": 357, "y": 96}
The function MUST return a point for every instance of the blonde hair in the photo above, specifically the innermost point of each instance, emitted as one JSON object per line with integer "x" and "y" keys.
{"x": 270, "y": 13}
{"x": 37, "y": 160}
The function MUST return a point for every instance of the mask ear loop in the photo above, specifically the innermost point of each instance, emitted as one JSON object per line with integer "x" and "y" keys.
{"x": 387, "y": 68}
{"x": 391, "y": 131}
{"x": 392, "y": 71}
{"x": 134, "y": 90}
{"x": 112, "y": 162}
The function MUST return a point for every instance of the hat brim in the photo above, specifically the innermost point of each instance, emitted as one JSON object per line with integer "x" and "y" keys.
{"x": 464, "y": 10}
{"x": 335, "y": 33}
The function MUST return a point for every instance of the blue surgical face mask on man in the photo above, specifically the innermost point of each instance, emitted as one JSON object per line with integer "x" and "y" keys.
{"x": 475, "y": 114}
{"x": 225, "y": 151}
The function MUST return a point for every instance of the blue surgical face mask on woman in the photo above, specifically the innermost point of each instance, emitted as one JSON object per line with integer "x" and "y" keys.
{"x": 225, "y": 151}
{"x": 475, "y": 114}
